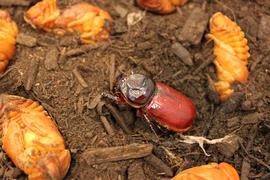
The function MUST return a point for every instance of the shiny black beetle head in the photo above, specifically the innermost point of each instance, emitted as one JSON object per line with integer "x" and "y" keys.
{"x": 135, "y": 89}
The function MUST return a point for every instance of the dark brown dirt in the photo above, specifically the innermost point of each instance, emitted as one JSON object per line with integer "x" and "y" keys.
{"x": 146, "y": 48}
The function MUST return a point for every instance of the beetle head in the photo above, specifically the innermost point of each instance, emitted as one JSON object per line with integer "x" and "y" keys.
{"x": 135, "y": 89}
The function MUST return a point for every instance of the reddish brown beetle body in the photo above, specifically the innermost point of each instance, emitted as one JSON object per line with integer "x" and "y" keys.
{"x": 159, "y": 102}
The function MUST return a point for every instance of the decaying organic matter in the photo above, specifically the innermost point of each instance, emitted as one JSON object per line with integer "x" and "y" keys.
{"x": 31, "y": 139}
{"x": 231, "y": 51}
{"x": 90, "y": 21}
{"x": 160, "y": 6}
{"x": 8, "y": 33}
{"x": 212, "y": 171}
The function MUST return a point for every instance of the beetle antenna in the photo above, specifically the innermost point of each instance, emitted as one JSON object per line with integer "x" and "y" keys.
{"x": 151, "y": 126}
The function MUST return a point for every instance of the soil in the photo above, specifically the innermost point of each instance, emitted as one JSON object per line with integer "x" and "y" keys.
{"x": 146, "y": 48}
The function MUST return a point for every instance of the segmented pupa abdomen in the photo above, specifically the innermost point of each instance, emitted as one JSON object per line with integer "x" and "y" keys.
{"x": 231, "y": 51}
{"x": 8, "y": 32}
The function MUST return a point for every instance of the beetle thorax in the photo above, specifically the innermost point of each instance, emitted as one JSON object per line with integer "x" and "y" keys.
{"x": 137, "y": 89}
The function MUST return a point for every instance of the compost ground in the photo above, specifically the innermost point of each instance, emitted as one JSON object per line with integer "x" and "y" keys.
{"x": 47, "y": 69}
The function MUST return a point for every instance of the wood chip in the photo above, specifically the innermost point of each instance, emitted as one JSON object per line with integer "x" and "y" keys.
{"x": 252, "y": 118}
{"x": 26, "y": 40}
{"x": 118, "y": 153}
{"x": 112, "y": 71}
{"x": 229, "y": 146}
{"x": 121, "y": 10}
{"x": 83, "y": 49}
{"x": 51, "y": 59}
{"x": 95, "y": 101}
{"x": 31, "y": 73}
{"x": 79, "y": 77}
{"x": 194, "y": 27}
{"x": 205, "y": 63}
{"x": 144, "y": 45}
{"x": 104, "y": 120}
{"x": 159, "y": 165}
{"x": 181, "y": 52}
{"x": 264, "y": 28}
{"x": 107, "y": 125}
{"x": 135, "y": 171}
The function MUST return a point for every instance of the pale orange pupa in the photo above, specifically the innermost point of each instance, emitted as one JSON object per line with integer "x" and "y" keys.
{"x": 43, "y": 15}
{"x": 211, "y": 171}
{"x": 8, "y": 33}
{"x": 31, "y": 139}
{"x": 231, "y": 51}
{"x": 91, "y": 22}
{"x": 160, "y": 6}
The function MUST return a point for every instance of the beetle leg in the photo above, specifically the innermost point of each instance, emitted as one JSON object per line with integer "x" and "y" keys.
{"x": 110, "y": 96}
{"x": 150, "y": 124}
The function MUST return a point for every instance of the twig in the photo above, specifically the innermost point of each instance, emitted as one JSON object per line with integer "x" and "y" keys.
{"x": 181, "y": 52}
{"x": 135, "y": 171}
{"x": 7, "y": 72}
{"x": 194, "y": 27}
{"x": 222, "y": 4}
{"x": 245, "y": 164}
{"x": 83, "y": 49}
{"x": 112, "y": 71}
{"x": 118, "y": 153}
{"x": 259, "y": 161}
{"x": 104, "y": 120}
{"x": 95, "y": 101}
{"x": 205, "y": 63}
{"x": 31, "y": 73}
{"x": 79, "y": 77}
{"x": 78, "y": 51}
{"x": 257, "y": 61}
{"x": 118, "y": 118}
{"x": 15, "y": 2}
{"x": 266, "y": 176}
{"x": 159, "y": 165}
{"x": 251, "y": 156}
